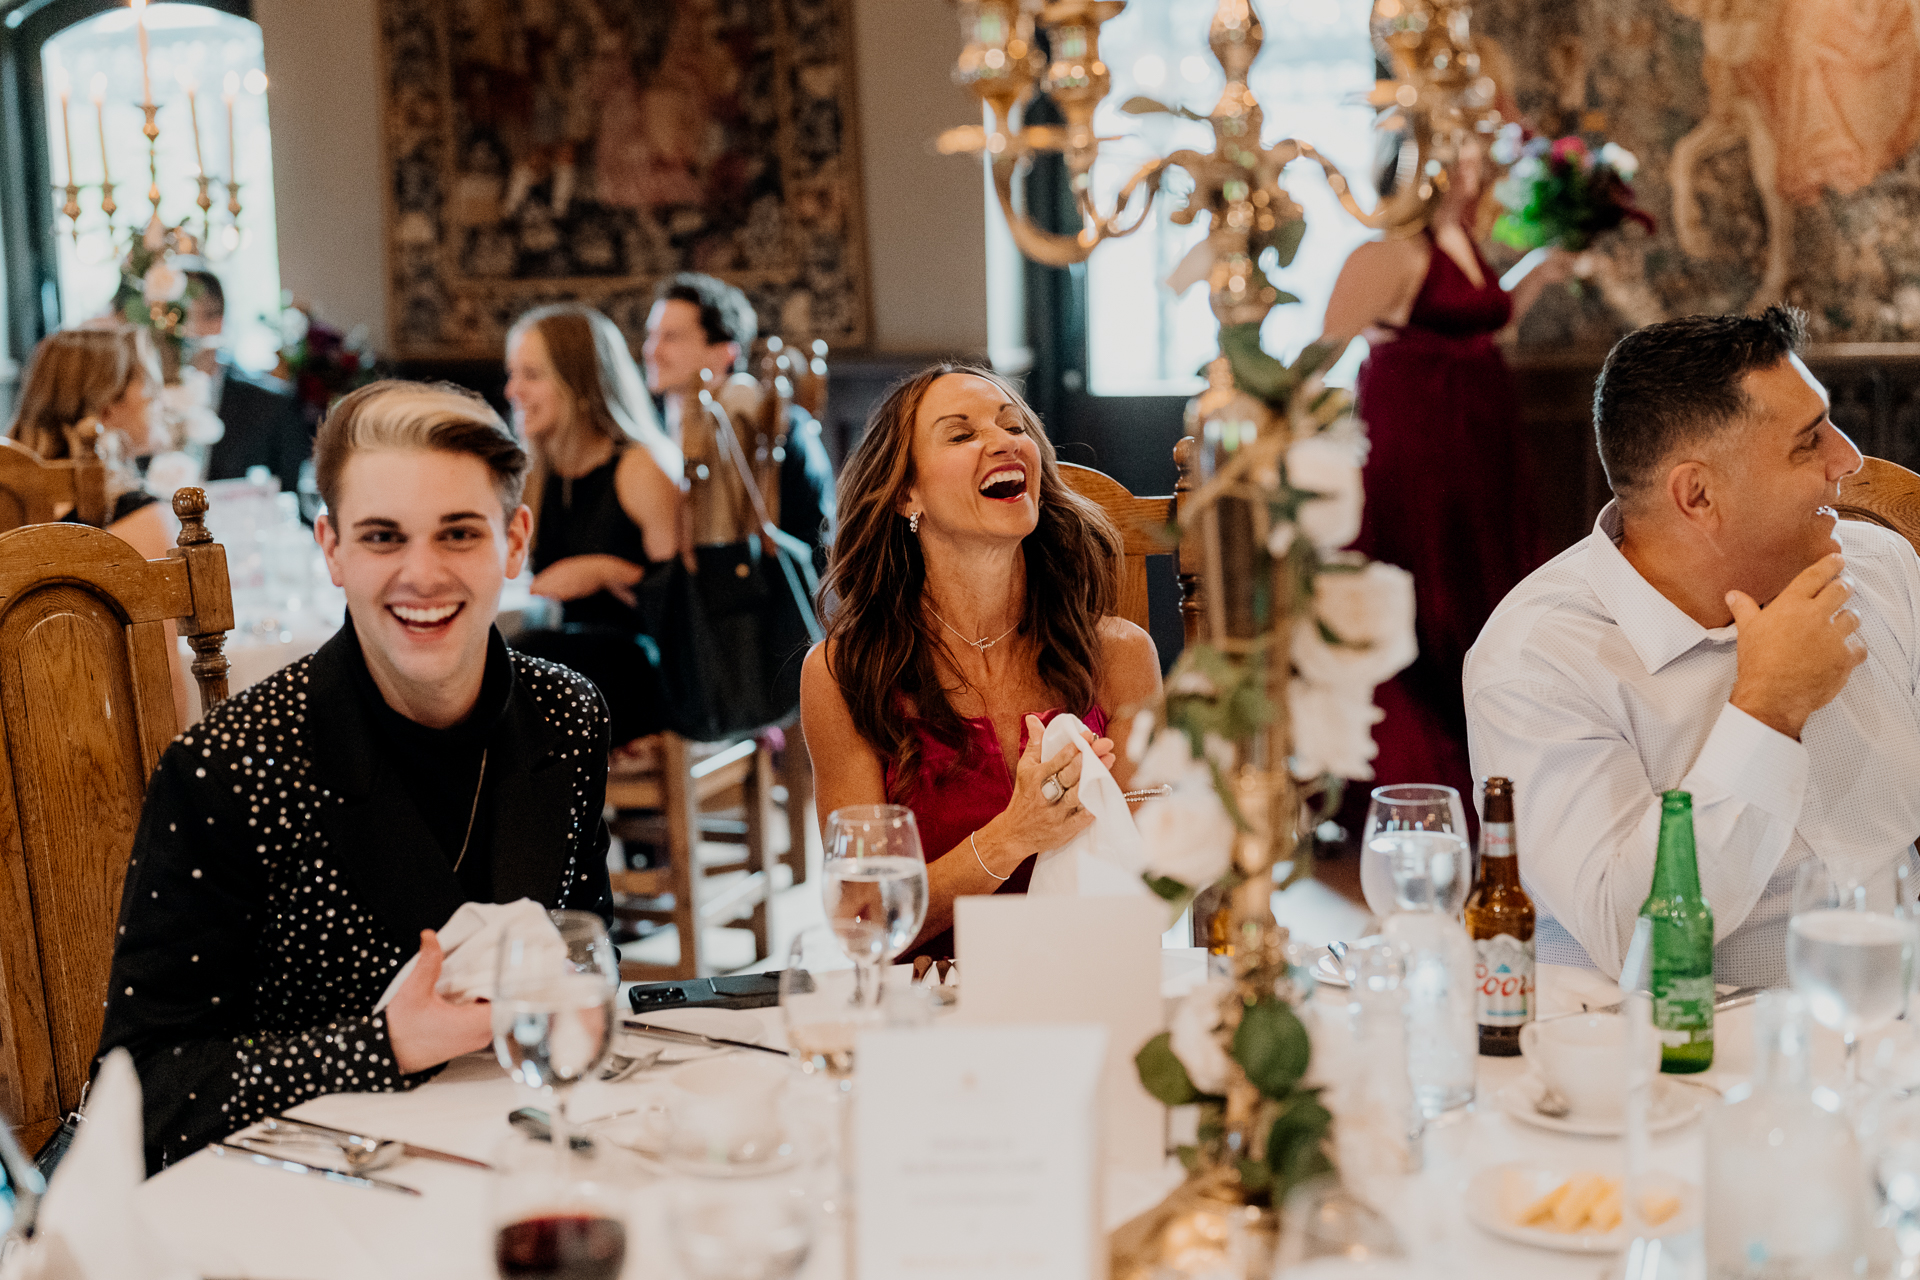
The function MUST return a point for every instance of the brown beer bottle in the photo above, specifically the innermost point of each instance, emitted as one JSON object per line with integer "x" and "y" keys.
{"x": 1499, "y": 919}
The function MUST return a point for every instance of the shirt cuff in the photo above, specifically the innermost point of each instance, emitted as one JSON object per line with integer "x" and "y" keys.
{"x": 1753, "y": 763}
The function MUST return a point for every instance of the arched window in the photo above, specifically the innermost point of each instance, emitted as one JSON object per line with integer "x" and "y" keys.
{"x": 207, "y": 78}
{"x": 1314, "y": 69}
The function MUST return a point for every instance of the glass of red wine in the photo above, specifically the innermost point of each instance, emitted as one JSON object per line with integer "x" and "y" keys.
{"x": 555, "y": 1220}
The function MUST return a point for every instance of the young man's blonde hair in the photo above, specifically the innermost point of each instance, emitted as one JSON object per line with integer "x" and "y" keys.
{"x": 439, "y": 416}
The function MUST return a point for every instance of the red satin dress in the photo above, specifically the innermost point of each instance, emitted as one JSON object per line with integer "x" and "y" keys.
{"x": 1450, "y": 497}
{"x": 960, "y": 788}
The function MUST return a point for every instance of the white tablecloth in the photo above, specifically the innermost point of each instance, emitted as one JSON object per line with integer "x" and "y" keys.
{"x": 227, "y": 1218}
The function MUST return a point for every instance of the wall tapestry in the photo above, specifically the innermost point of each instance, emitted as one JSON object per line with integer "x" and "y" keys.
{"x": 1778, "y": 148}
{"x": 548, "y": 150}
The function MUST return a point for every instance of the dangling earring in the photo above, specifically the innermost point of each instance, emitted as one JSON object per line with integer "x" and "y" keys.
{"x": 913, "y": 523}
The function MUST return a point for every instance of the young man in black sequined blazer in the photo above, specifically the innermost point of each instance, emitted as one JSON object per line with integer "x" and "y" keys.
{"x": 304, "y": 840}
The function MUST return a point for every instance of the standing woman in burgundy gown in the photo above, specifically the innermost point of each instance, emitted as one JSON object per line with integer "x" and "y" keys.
{"x": 1450, "y": 492}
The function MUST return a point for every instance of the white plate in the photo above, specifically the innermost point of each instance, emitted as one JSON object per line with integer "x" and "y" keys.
{"x": 1675, "y": 1103}
{"x": 731, "y": 1024}
{"x": 1484, "y": 1209}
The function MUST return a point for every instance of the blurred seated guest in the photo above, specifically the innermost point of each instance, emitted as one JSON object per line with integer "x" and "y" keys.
{"x": 306, "y": 839}
{"x": 605, "y": 496}
{"x": 264, "y": 426}
{"x": 975, "y": 602}
{"x": 96, "y": 392}
{"x": 1720, "y": 632}
{"x": 701, "y": 324}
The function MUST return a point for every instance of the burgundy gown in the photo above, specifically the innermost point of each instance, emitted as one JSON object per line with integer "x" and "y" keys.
{"x": 1449, "y": 498}
{"x": 961, "y": 789}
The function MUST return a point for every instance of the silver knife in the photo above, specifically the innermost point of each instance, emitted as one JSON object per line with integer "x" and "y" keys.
{"x": 406, "y": 1148}
{"x": 673, "y": 1035}
{"x": 312, "y": 1170}
{"x": 1733, "y": 999}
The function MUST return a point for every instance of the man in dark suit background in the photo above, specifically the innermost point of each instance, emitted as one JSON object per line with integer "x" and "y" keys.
{"x": 264, "y": 425}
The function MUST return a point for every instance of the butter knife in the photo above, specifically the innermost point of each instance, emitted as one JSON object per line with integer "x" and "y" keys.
{"x": 406, "y": 1148}
{"x": 1733, "y": 999}
{"x": 309, "y": 1170}
{"x": 673, "y": 1035}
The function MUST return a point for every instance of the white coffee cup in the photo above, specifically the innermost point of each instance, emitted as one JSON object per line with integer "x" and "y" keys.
{"x": 723, "y": 1109}
{"x": 1584, "y": 1059}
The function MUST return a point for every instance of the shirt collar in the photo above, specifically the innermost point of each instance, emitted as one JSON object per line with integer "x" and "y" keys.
{"x": 1655, "y": 626}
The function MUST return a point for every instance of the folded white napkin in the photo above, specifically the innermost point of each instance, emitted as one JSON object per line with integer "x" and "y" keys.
{"x": 1107, "y": 858}
{"x": 471, "y": 939}
{"x": 89, "y": 1227}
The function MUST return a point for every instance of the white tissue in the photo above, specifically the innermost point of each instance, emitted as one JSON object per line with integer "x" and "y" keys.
{"x": 1107, "y": 858}
{"x": 471, "y": 939}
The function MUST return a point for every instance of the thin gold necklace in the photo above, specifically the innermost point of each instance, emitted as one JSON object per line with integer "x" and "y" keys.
{"x": 979, "y": 646}
{"x": 473, "y": 812}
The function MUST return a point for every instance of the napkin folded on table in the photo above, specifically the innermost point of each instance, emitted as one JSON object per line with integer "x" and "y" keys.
{"x": 88, "y": 1227}
{"x": 1107, "y": 858}
{"x": 471, "y": 939}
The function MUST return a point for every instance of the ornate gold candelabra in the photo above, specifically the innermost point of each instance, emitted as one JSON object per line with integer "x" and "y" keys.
{"x": 1439, "y": 101}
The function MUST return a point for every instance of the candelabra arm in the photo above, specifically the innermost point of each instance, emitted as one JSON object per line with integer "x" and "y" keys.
{"x": 1048, "y": 248}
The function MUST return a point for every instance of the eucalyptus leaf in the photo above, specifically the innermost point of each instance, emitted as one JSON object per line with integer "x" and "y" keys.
{"x": 1255, "y": 1176}
{"x": 1271, "y": 1045}
{"x": 1254, "y": 371}
{"x": 1162, "y": 1074}
{"x": 1167, "y": 887}
{"x": 1286, "y": 242}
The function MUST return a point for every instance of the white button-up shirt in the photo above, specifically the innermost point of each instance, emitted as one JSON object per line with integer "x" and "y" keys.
{"x": 1594, "y": 693}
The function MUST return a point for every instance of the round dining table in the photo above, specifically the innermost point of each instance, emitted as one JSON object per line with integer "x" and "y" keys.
{"x": 230, "y": 1218}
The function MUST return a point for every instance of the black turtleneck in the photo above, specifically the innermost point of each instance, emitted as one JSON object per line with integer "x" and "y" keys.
{"x": 439, "y": 769}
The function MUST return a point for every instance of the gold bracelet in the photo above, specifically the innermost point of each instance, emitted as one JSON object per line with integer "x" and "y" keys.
{"x": 982, "y": 861}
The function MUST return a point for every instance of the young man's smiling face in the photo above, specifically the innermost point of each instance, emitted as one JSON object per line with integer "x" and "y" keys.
{"x": 422, "y": 548}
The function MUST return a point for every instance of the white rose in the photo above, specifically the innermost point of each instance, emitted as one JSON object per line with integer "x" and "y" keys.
{"x": 1194, "y": 1036}
{"x": 199, "y": 425}
{"x": 1371, "y": 613}
{"x": 170, "y": 471}
{"x": 1622, "y": 161}
{"x": 1191, "y": 683}
{"x": 1280, "y": 539}
{"x": 294, "y": 324}
{"x": 163, "y": 284}
{"x": 1167, "y": 760}
{"x": 1187, "y": 833}
{"x": 1332, "y": 730}
{"x": 1140, "y": 735}
{"x": 1328, "y": 464}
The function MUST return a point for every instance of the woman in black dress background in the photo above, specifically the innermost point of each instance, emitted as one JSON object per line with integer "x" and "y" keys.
{"x": 606, "y": 496}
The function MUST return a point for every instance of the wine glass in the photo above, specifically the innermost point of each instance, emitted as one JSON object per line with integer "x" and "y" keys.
{"x": 1850, "y": 955}
{"x": 874, "y": 872}
{"x": 742, "y": 1230}
{"x": 1412, "y": 807}
{"x": 1327, "y": 1230}
{"x": 823, "y": 1007}
{"x": 553, "y": 1221}
{"x": 553, "y": 1008}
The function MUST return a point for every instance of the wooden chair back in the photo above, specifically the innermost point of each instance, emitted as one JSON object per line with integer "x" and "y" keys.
{"x": 1142, "y": 523}
{"x": 86, "y": 708}
{"x": 35, "y": 491}
{"x": 1883, "y": 493}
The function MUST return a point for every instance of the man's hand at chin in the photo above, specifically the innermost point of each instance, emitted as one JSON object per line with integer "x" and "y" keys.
{"x": 426, "y": 1028}
{"x": 1796, "y": 653}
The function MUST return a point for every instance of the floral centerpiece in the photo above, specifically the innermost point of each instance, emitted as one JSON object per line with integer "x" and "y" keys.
{"x": 321, "y": 362}
{"x": 1562, "y": 193}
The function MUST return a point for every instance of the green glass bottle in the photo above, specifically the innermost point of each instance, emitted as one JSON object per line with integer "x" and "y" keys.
{"x": 1681, "y": 950}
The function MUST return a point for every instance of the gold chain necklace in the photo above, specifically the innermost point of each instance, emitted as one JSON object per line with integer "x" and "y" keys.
{"x": 473, "y": 812}
{"x": 979, "y": 646}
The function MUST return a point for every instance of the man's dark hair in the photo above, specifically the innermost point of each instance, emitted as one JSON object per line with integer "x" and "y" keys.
{"x": 208, "y": 287}
{"x": 725, "y": 313}
{"x": 1677, "y": 383}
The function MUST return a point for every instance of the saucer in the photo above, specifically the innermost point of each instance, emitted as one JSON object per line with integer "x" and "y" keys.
{"x": 1673, "y": 1104}
{"x": 1484, "y": 1197}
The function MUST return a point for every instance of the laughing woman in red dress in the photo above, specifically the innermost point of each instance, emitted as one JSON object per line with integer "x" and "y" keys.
{"x": 1450, "y": 494}
{"x": 975, "y": 599}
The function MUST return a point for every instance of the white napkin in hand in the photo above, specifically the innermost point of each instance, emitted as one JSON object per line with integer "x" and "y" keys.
{"x": 1108, "y": 857}
{"x": 88, "y": 1227}
{"x": 471, "y": 939}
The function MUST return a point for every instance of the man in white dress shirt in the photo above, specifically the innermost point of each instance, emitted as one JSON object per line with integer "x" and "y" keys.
{"x": 1720, "y": 632}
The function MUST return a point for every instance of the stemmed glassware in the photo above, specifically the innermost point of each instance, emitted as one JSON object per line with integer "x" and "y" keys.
{"x": 1415, "y": 807}
{"x": 875, "y": 873}
{"x": 553, "y": 1008}
{"x": 1851, "y": 955}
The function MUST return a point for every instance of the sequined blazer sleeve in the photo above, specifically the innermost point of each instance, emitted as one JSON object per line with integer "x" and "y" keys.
{"x": 182, "y": 999}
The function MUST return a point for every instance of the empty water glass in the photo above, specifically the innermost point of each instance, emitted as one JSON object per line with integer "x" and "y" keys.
{"x": 742, "y": 1230}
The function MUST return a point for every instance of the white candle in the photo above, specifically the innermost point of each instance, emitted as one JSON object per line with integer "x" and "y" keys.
{"x": 140, "y": 25}
{"x": 66, "y": 125}
{"x": 100, "y": 113}
{"x": 188, "y": 83}
{"x": 233, "y": 91}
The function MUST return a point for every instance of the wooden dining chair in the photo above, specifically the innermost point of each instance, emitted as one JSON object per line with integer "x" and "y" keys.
{"x": 35, "y": 491}
{"x": 86, "y": 708}
{"x": 1883, "y": 493}
{"x": 1143, "y": 524}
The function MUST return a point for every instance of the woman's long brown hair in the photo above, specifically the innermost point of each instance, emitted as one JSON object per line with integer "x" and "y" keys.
{"x": 883, "y": 644}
